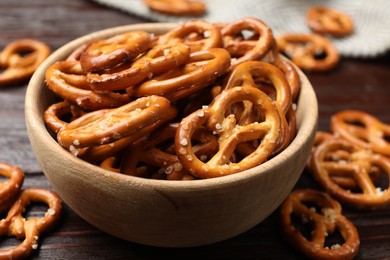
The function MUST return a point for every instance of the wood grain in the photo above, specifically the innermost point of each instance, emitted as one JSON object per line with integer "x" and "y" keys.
{"x": 357, "y": 84}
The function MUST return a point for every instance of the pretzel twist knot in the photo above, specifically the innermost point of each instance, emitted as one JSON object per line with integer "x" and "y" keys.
{"x": 229, "y": 133}
{"x": 325, "y": 20}
{"x": 54, "y": 114}
{"x": 272, "y": 81}
{"x": 67, "y": 80}
{"x": 202, "y": 69}
{"x": 177, "y": 7}
{"x": 158, "y": 151}
{"x": 108, "y": 53}
{"x": 246, "y": 73}
{"x": 10, "y": 189}
{"x": 358, "y": 165}
{"x": 341, "y": 179}
{"x": 326, "y": 220}
{"x": 198, "y": 34}
{"x": 109, "y": 125}
{"x": 30, "y": 229}
{"x": 243, "y": 49}
{"x": 18, "y": 66}
{"x": 307, "y": 51}
{"x": 362, "y": 129}
{"x": 159, "y": 59}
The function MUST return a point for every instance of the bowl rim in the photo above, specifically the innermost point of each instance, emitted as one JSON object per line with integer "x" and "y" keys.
{"x": 34, "y": 121}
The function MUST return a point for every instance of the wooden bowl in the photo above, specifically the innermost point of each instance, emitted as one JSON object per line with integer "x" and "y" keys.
{"x": 160, "y": 212}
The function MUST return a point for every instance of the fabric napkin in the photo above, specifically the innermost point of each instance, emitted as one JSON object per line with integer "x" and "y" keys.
{"x": 371, "y": 37}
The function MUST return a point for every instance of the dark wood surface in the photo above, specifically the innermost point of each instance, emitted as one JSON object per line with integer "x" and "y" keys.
{"x": 354, "y": 84}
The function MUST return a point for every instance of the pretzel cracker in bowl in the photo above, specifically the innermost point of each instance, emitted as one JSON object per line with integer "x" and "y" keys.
{"x": 131, "y": 188}
{"x": 175, "y": 66}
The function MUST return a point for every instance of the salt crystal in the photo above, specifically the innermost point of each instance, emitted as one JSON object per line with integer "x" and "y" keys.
{"x": 183, "y": 142}
{"x": 294, "y": 106}
{"x": 116, "y": 135}
{"x": 71, "y": 148}
{"x": 203, "y": 157}
{"x": 169, "y": 170}
{"x": 379, "y": 191}
{"x": 51, "y": 212}
{"x": 178, "y": 166}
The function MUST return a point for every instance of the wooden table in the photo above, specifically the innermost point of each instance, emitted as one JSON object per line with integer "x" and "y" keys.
{"x": 354, "y": 84}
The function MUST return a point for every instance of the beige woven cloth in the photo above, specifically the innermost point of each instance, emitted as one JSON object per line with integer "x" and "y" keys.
{"x": 371, "y": 17}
